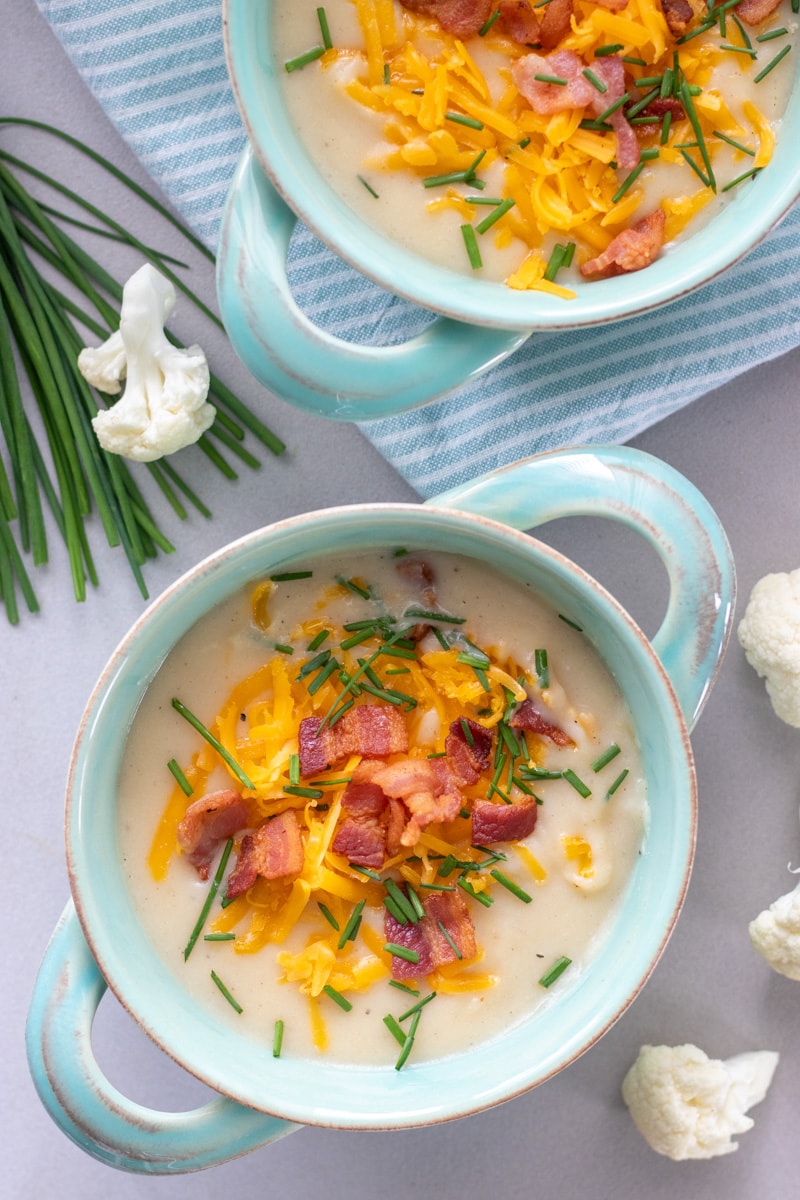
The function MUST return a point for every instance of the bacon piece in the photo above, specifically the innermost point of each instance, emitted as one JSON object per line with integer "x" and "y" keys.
{"x": 547, "y": 98}
{"x": 679, "y": 15}
{"x": 467, "y": 759}
{"x": 361, "y": 842}
{"x": 555, "y": 23}
{"x": 420, "y": 573}
{"x": 611, "y": 70}
{"x": 373, "y": 730}
{"x": 502, "y": 822}
{"x": 363, "y": 800}
{"x": 426, "y": 937}
{"x": 630, "y": 250}
{"x": 753, "y": 12}
{"x": 274, "y": 851}
{"x": 613, "y": 5}
{"x": 209, "y": 821}
{"x": 461, "y": 17}
{"x": 518, "y": 20}
{"x": 657, "y": 108}
{"x": 527, "y": 716}
{"x": 425, "y": 791}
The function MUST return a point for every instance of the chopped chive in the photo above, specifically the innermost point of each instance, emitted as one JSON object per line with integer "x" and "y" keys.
{"x": 470, "y": 659}
{"x": 605, "y": 758}
{"x": 365, "y": 183}
{"x": 631, "y": 58}
{"x": 327, "y": 670}
{"x": 510, "y": 738}
{"x": 322, "y": 783}
{"x": 473, "y": 253}
{"x": 577, "y": 783}
{"x": 401, "y": 900}
{"x": 617, "y": 782}
{"x": 489, "y": 202}
{"x": 773, "y": 63}
{"x": 354, "y": 587}
{"x": 308, "y": 792}
{"x": 467, "y": 887}
{"x": 602, "y": 51}
{"x": 449, "y": 940}
{"x": 558, "y": 968}
{"x": 555, "y": 262}
{"x": 685, "y": 93}
{"x": 288, "y": 576}
{"x": 233, "y": 1003}
{"x": 351, "y": 928}
{"x": 328, "y": 915}
{"x": 314, "y": 663}
{"x": 370, "y": 623}
{"x": 540, "y": 773}
{"x": 569, "y": 254}
{"x": 364, "y": 871}
{"x": 612, "y": 108}
{"x": 324, "y": 29}
{"x": 394, "y": 1029}
{"x": 556, "y": 80}
{"x": 282, "y": 648}
{"x": 408, "y": 1043}
{"x": 302, "y": 60}
{"x": 482, "y": 678}
{"x": 512, "y": 887}
{"x": 744, "y": 34}
{"x": 391, "y": 906}
{"x": 627, "y": 183}
{"x": 723, "y": 137}
{"x": 461, "y": 119}
{"x": 493, "y": 217}
{"x": 526, "y": 141}
{"x": 649, "y": 155}
{"x": 488, "y": 23}
{"x": 698, "y": 170}
{"x": 277, "y": 1039}
{"x": 468, "y": 734}
{"x": 437, "y": 887}
{"x": 748, "y": 50}
{"x": 432, "y": 181}
{"x": 401, "y": 952}
{"x": 355, "y": 639}
{"x": 698, "y": 31}
{"x": 541, "y": 667}
{"x": 219, "y": 937}
{"x": 180, "y": 778}
{"x": 636, "y": 108}
{"x": 337, "y": 997}
{"x": 398, "y": 670}
{"x": 415, "y": 901}
{"x": 751, "y": 174}
{"x": 387, "y": 74}
{"x": 773, "y": 33}
{"x": 197, "y": 724}
{"x": 667, "y": 83}
{"x": 398, "y": 652}
{"x": 666, "y": 126}
{"x": 411, "y": 1012}
{"x": 595, "y": 80}
{"x": 648, "y": 81}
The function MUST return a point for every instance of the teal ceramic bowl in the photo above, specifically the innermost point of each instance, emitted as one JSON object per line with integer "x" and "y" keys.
{"x": 100, "y": 940}
{"x": 479, "y": 322}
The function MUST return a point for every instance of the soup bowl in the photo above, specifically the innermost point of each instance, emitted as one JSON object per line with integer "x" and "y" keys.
{"x": 101, "y": 941}
{"x": 478, "y": 323}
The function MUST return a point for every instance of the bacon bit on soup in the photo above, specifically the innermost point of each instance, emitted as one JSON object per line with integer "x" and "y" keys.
{"x": 444, "y": 935}
{"x": 528, "y": 716}
{"x": 274, "y": 851}
{"x": 460, "y": 17}
{"x": 208, "y": 822}
{"x": 503, "y": 822}
{"x": 753, "y": 12}
{"x": 372, "y": 730}
{"x": 469, "y": 749}
{"x": 631, "y": 250}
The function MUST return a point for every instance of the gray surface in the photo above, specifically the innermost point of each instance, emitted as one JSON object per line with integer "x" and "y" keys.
{"x": 572, "y": 1138}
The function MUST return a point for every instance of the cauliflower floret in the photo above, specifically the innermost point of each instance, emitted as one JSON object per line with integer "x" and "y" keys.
{"x": 775, "y": 933}
{"x": 687, "y": 1105}
{"x": 163, "y": 407}
{"x": 770, "y": 635}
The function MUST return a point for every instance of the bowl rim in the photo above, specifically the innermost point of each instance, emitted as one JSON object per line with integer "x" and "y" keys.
{"x": 741, "y": 225}
{"x": 352, "y": 1097}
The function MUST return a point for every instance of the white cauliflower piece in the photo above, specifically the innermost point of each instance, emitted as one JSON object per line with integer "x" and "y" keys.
{"x": 687, "y": 1105}
{"x": 769, "y": 632}
{"x": 163, "y": 407}
{"x": 775, "y": 934}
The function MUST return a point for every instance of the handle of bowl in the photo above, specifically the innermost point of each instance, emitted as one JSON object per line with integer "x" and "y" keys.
{"x": 639, "y": 490}
{"x": 307, "y": 366}
{"x": 89, "y": 1109}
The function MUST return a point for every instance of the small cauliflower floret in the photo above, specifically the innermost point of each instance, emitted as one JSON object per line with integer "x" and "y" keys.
{"x": 775, "y": 934}
{"x": 770, "y": 635}
{"x": 687, "y": 1105}
{"x": 163, "y": 407}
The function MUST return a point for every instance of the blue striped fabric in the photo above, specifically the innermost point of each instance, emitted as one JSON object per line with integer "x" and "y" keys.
{"x": 158, "y": 70}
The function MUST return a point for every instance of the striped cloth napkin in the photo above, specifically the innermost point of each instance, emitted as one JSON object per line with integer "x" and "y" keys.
{"x": 157, "y": 67}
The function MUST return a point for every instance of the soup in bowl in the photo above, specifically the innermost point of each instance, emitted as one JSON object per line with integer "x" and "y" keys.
{"x": 388, "y": 143}
{"x": 382, "y": 815}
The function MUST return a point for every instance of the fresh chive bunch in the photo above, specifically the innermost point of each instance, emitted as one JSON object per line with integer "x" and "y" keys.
{"x": 49, "y": 456}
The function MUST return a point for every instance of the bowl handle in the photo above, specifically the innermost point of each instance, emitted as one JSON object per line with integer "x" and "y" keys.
{"x": 639, "y": 490}
{"x": 302, "y": 363}
{"x": 90, "y": 1110}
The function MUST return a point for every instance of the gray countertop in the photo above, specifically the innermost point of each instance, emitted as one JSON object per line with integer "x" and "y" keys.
{"x": 572, "y": 1138}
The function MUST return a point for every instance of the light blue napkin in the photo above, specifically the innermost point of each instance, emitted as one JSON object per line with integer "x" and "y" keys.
{"x": 157, "y": 67}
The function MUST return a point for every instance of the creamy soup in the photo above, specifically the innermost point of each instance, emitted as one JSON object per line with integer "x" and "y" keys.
{"x": 384, "y": 124}
{"x": 505, "y": 706}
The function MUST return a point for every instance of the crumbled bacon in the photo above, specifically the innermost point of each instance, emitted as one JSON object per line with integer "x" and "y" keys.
{"x": 420, "y": 573}
{"x": 555, "y": 23}
{"x": 611, "y": 70}
{"x": 423, "y": 788}
{"x": 502, "y": 822}
{"x": 631, "y": 250}
{"x": 273, "y": 851}
{"x": 207, "y": 822}
{"x": 460, "y": 17}
{"x": 518, "y": 20}
{"x": 753, "y": 12}
{"x": 469, "y": 755}
{"x": 427, "y": 939}
{"x": 679, "y": 15}
{"x": 361, "y": 842}
{"x": 373, "y": 730}
{"x": 657, "y": 108}
{"x": 527, "y": 716}
{"x": 613, "y": 5}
